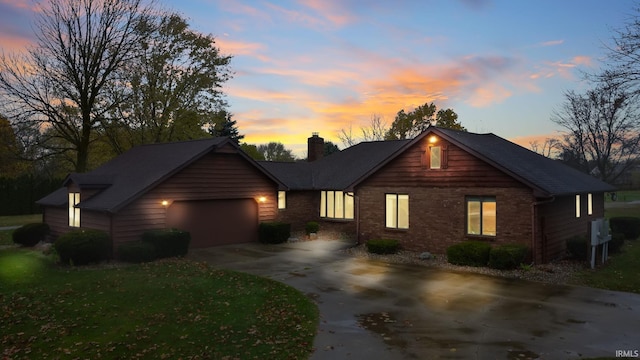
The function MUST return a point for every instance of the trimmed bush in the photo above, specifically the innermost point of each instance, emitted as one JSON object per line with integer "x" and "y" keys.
{"x": 469, "y": 253}
{"x": 83, "y": 246}
{"x": 168, "y": 242}
{"x": 136, "y": 252}
{"x": 383, "y": 246}
{"x": 578, "y": 247}
{"x": 627, "y": 225}
{"x": 508, "y": 256}
{"x": 30, "y": 234}
{"x": 274, "y": 232}
{"x": 311, "y": 227}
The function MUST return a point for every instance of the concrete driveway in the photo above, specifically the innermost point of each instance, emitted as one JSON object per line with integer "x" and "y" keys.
{"x": 372, "y": 310}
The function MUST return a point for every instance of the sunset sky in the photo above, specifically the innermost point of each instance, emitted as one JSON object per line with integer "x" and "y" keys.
{"x": 322, "y": 65}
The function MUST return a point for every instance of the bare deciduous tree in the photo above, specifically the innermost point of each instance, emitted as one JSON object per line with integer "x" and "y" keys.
{"x": 602, "y": 129}
{"x": 549, "y": 147}
{"x": 59, "y": 84}
{"x": 375, "y": 131}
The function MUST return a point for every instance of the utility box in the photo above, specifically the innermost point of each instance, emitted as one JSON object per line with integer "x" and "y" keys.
{"x": 600, "y": 235}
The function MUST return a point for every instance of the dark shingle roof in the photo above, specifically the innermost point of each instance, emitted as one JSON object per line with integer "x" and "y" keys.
{"x": 336, "y": 171}
{"x": 131, "y": 174}
{"x": 345, "y": 169}
{"x": 548, "y": 176}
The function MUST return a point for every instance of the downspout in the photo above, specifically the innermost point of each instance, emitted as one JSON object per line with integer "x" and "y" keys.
{"x": 357, "y": 201}
{"x": 533, "y": 225}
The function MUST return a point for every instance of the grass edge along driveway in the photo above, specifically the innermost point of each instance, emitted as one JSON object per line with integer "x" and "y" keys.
{"x": 162, "y": 310}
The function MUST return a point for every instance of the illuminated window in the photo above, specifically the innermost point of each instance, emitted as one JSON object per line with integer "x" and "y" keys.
{"x": 74, "y": 212}
{"x": 397, "y": 211}
{"x": 435, "y": 157}
{"x": 577, "y": 206}
{"x": 481, "y": 216}
{"x": 336, "y": 205}
{"x": 589, "y": 204}
{"x": 282, "y": 199}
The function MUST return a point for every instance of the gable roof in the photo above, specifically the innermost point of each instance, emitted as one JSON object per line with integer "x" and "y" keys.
{"x": 546, "y": 176}
{"x": 128, "y": 176}
{"x": 346, "y": 169}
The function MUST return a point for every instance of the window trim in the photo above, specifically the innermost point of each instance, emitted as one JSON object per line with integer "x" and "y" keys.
{"x": 439, "y": 158}
{"x": 282, "y": 200}
{"x": 330, "y": 201}
{"x": 74, "y": 211}
{"x": 481, "y": 200}
{"x": 397, "y": 211}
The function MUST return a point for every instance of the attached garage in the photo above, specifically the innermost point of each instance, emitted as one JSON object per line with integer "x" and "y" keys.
{"x": 208, "y": 187}
{"x": 216, "y": 222}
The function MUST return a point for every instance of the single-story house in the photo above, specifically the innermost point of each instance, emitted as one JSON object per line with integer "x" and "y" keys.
{"x": 208, "y": 187}
{"x": 442, "y": 187}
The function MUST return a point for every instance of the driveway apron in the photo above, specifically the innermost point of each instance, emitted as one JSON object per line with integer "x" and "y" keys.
{"x": 374, "y": 310}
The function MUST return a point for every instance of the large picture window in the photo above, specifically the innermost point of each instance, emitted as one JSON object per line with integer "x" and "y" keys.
{"x": 397, "y": 211}
{"x": 336, "y": 205}
{"x": 74, "y": 212}
{"x": 481, "y": 216}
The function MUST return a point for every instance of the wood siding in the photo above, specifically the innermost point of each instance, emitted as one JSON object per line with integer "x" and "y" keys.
{"x": 411, "y": 168}
{"x": 58, "y": 220}
{"x": 214, "y": 176}
{"x": 557, "y": 222}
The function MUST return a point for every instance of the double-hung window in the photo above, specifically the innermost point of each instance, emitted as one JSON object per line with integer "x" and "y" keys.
{"x": 336, "y": 205}
{"x": 481, "y": 216}
{"x": 74, "y": 212}
{"x": 397, "y": 211}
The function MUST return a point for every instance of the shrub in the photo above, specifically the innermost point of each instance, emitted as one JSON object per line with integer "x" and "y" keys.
{"x": 469, "y": 253}
{"x": 627, "y": 225}
{"x": 311, "y": 227}
{"x": 578, "y": 247}
{"x": 274, "y": 232}
{"x": 136, "y": 252}
{"x": 616, "y": 242}
{"x": 83, "y": 246}
{"x": 168, "y": 242}
{"x": 508, "y": 256}
{"x": 30, "y": 234}
{"x": 383, "y": 246}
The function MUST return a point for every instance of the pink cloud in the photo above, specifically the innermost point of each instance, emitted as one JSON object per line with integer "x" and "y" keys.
{"x": 296, "y": 16}
{"x": 552, "y": 43}
{"x": 330, "y": 10}
{"x": 240, "y": 47}
{"x": 488, "y": 95}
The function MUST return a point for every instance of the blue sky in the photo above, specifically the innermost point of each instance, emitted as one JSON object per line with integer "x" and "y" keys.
{"x": 323, "y": 65}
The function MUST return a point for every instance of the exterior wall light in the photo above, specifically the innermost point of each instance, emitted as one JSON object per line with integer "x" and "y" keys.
{"x": 165, "y": 203}
{"x": 433, "y": 139}
{"x": 262, "y": 199}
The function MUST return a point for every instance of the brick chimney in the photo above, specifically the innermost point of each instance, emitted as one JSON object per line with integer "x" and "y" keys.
{"x": 315, "y": 147}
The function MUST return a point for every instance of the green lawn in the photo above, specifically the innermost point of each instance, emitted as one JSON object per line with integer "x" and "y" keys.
{"x": 19, "y": 220}
{"x": 620, "y": 273}
{"x": 625, "y": 196}
{"x": 163, "y": 310}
